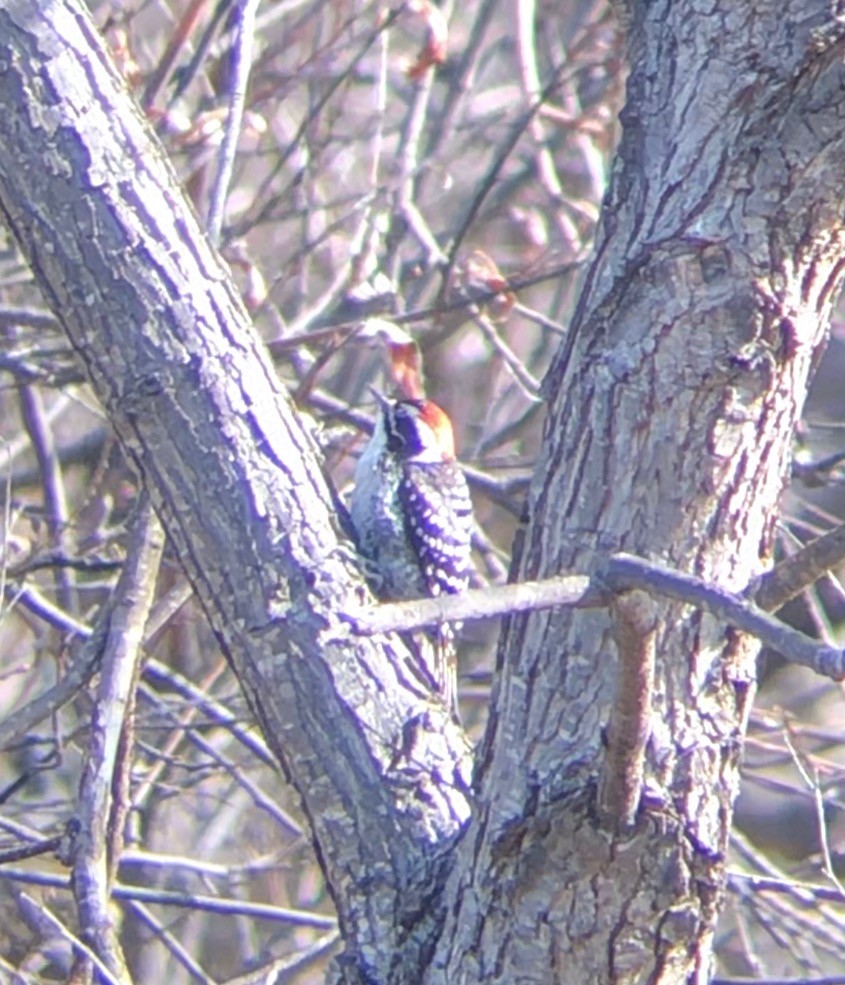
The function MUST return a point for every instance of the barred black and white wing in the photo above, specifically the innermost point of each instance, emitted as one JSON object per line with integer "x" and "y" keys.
{"x": 437, "y": 512}
{"x": 438, "y": 520}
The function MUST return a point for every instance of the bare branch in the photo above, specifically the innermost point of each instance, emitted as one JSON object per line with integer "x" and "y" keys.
{"x": 801, "y": 570}
{"x": 30, "y": 850}
{"x": 621, "y": 573}
{"x": 85, "y": 656}
{"x": 241, "y": 64}
{"x": 83, "y": 664}
{"x": 624, "y": 571}
{"x": 211, "y": 904}
{"x": 52, "y": 482}
{"x": 92, "y": 855}
{"x": 635, "y": 625}
{"x": 78, "y": 946}
{"x": 479, "y": 603}
{"x": 275, "y": 970}
{"x": 169, "y": 940}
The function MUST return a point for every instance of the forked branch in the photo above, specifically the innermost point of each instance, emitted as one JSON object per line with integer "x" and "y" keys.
{"x": 621, "y": 573}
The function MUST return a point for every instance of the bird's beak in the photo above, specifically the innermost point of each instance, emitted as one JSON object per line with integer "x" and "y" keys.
{"x": 383, "y": 401}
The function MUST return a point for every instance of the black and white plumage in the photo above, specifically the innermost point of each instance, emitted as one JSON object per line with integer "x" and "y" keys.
{"x": 412, "y": 514}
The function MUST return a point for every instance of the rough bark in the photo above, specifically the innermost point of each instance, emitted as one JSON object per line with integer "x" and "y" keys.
{"x": 234, "y": 476}
{"x": 670, "y": 415}
{"x": 668, "y": 434}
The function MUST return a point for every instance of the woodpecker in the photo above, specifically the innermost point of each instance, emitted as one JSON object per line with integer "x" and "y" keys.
{"x": 412, "y": 515}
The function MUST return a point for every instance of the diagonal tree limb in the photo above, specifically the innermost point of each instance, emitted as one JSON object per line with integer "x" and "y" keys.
{"x": 234, "y": 477}
{"x": 800, "y": 570}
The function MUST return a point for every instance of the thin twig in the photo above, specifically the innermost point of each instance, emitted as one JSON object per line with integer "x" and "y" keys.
{"x": 158, "y": 79}
{"x": 817, "y": 473}
{"x": 52, "y": 483}
{"x": 280, "y": 969}
{"x": 85, "y": 656}
{"x": 529, "y": 384}
{"x": 529, "y": 76}
{"x": 31, "y": 599}
{"x": 337, "y": 82}
{"x": 28, "y": 317}
{"x": 79, "y": 946}
{"x": 30, "y": 850}
{"x": 21, "y": 443}
{"x": 85, "y": 659}
{"x": 810, "y": 894}
{"x": 489, "y": 180}
{"x": 241, "y": 64}
{"x": 625, "y": 572}
{"x": 92, "y": 855}
{"x": 408, "y": 159}
{"x": 250, "y": 738}
{"x": 460, "y": 82}
{"x": 191, "y": 901}
{"x": 238, "y": 776}
{"x": 810, "y": 776}
{"x": 540, "y": 319}
{"x": 803, "y": 568}
{"x": 181, "y": 954}
{"x": 147, "y": 786}
{"x": 824, "y": 980}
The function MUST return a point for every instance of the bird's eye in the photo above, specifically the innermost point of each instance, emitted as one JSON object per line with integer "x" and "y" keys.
{"x": 405, "y": 436}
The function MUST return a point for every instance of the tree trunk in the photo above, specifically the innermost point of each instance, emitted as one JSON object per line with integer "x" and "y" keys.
{"x": 382, "y": 771}
{"x": 671, "y": 413}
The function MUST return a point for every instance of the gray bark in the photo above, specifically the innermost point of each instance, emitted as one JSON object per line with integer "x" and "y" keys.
{"x": 235, "y": 478}
{"x": 670, "y": 418}
{"x": 671, "y": 410}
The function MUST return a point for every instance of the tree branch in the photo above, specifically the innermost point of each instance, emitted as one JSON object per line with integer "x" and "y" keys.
{"x": 479, "y": 603}
{"x": 234, "y": 476}
{"x": 195, "y": 901}
{"x": 803, "y": 568}
{"x": 620, "y": 573}
{"x": 99, "y": 813}
{"x": 626, "y": 572}
{"x": 635, "y": 625}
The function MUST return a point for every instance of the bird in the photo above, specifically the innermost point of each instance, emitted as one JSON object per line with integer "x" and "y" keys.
{"x": 412, "y": 515}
